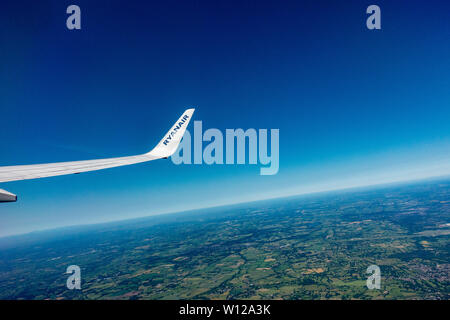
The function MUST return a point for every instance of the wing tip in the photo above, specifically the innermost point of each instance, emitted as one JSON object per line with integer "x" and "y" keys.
{"x": 169, "y": 143}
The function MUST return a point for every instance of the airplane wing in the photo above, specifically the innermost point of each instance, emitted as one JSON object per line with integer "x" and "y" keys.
{"x": 164, "y": 149}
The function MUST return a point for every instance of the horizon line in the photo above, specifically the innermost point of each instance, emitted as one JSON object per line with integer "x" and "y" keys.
{"x": 342, "y": 188}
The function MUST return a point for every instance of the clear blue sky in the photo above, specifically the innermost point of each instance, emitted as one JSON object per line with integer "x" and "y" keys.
{"x": 353, "y": 106}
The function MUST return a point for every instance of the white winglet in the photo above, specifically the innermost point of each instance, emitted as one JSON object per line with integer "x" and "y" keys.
{"x": 169, "y": 144}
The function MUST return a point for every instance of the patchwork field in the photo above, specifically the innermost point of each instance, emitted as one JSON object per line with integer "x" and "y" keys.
{"x": 308, "y": 247}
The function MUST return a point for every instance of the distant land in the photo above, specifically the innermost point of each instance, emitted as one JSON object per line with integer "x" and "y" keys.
{"x": 315, "y": 246}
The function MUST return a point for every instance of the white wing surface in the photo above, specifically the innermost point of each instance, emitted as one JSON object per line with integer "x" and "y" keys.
{"x": 164, "y": 149}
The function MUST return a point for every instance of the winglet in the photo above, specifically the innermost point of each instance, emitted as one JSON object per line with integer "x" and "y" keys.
{"x": 169, "y": 144}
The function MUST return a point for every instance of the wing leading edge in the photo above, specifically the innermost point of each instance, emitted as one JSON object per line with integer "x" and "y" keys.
{"x": 164, "y": 149}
